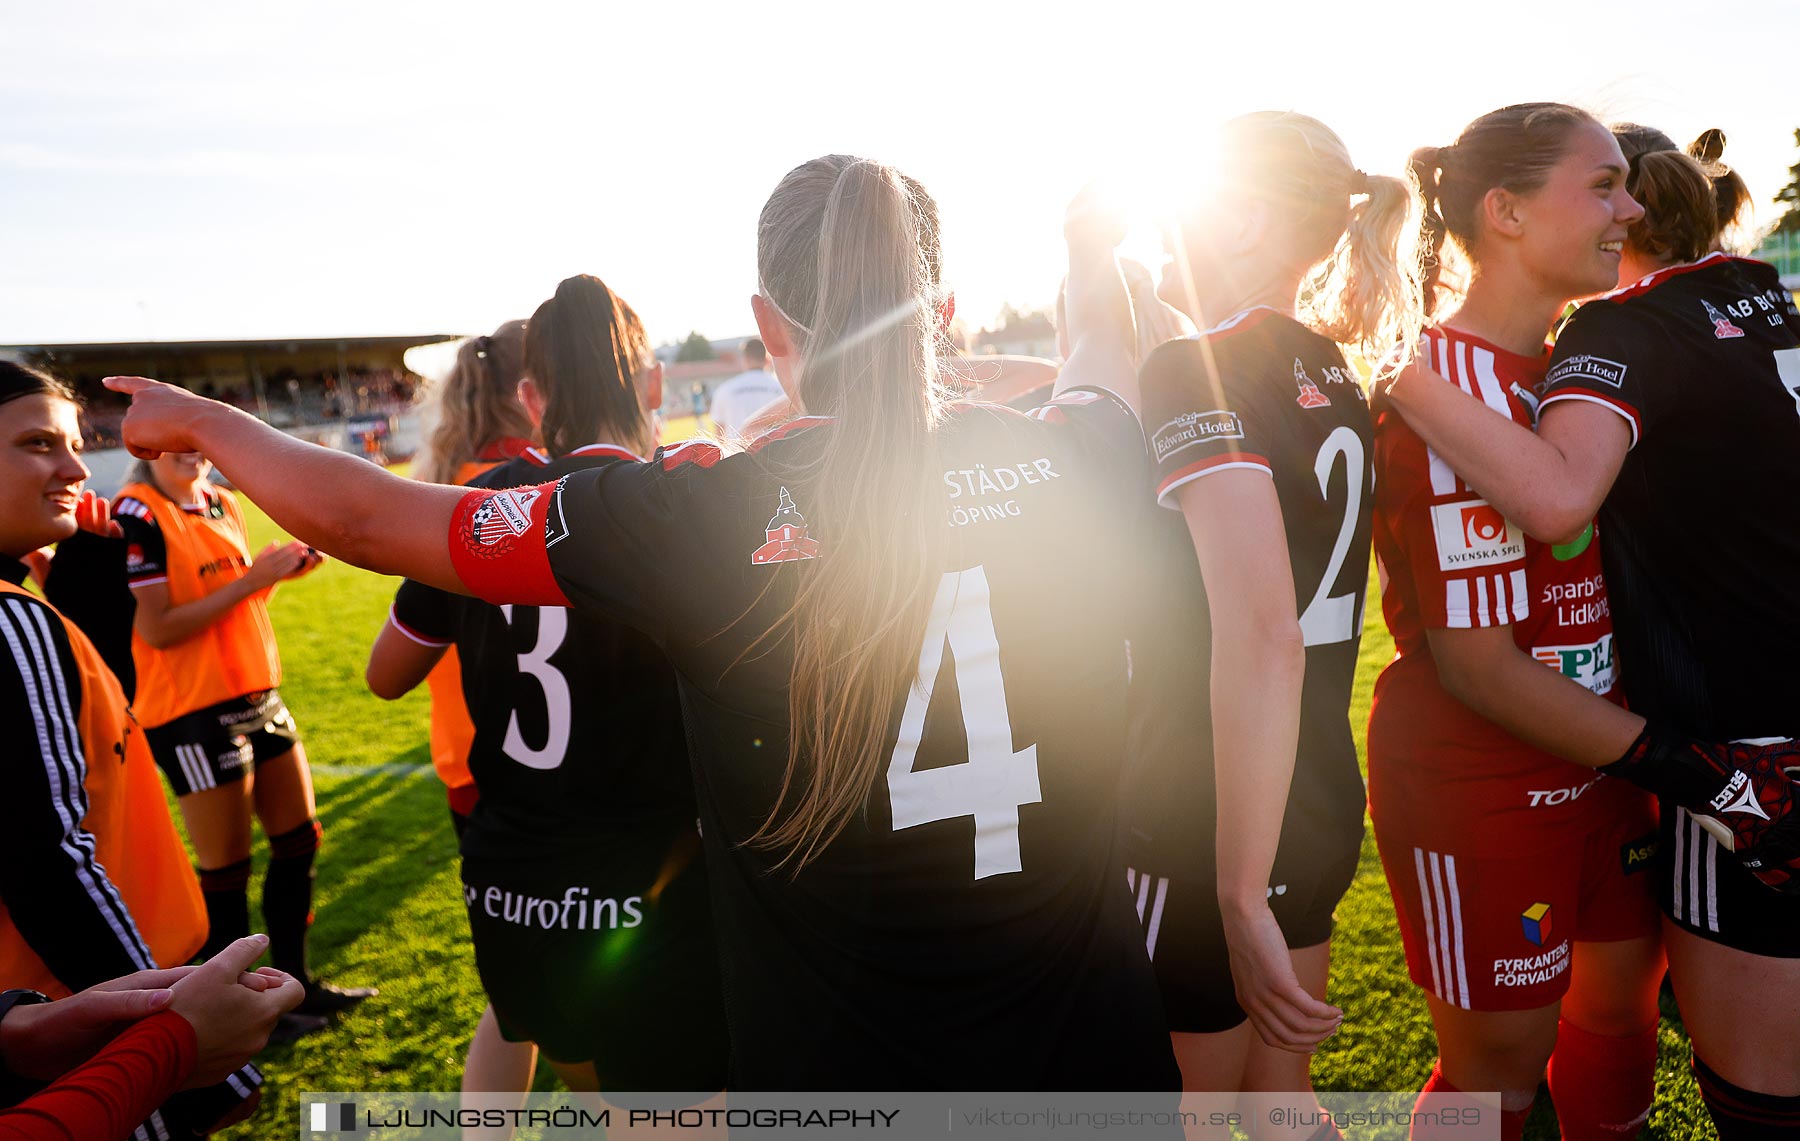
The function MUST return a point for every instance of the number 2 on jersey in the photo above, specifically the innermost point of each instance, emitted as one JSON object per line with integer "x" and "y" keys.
{"x": 553, "y": 623}
{"x": 995, "y": 781}
{"x": 1330, "y": 619}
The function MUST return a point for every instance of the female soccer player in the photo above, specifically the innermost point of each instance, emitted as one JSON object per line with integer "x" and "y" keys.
{"x": 1672, "y": 406}
{"x": 93, "y": 881}
{"x": 1261, "y": 440}
{"x": 587, "y": 799}
{"x": 898, "y": 635}
{"x": 477, "y": 424}
{"x": 208, "y": 668}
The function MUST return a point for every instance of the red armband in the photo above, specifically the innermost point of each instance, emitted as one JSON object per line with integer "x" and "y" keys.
{"x": 497, "y": 545}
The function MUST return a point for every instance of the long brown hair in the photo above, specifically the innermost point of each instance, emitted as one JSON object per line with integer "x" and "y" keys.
{"x": 1514, "y": 149}
{"x": 1729, "y": 194}
{"x": 585, "y": 349}
{"x": 847, "y": 249}
{"x": 476, "y": 406}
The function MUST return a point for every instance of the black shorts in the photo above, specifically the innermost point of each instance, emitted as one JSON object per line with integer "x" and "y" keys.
{"x": 1706, "y": 892}
{"x": 219, "y": 744}
{"x": 582, "y": 953}
{"x": 1184, "y": 930}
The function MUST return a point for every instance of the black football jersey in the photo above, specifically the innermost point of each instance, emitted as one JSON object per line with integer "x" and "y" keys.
{"x": 578, "y": 732}
{"x": 87, "y": 582}
{"x": 971, "y": 927}
{"x": 1702, "y": 524}
{"x": 1259, "y": 392}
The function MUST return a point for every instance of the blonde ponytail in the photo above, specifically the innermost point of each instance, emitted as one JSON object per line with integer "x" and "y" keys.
{"x": 847, "y": 250}
{"x": 1370, "y": 292}
{"x": 1363, "y": 265}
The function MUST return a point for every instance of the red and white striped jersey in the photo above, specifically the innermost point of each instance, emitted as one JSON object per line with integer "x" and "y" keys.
{"x": 1450, "y": 560}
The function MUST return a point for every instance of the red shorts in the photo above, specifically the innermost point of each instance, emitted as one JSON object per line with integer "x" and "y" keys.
{"x": 1486, "y": 931}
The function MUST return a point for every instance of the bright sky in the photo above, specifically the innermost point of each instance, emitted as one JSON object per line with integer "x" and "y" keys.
{"x": 184, "y": 171}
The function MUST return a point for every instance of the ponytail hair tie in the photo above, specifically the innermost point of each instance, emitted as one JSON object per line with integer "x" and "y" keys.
{"x": 481, "y": 346}
{"x": 1359, "y": 182}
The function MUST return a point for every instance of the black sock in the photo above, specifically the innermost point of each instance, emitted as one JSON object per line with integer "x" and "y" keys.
{"x": 227, "y": 905}
{"x": 1745, "y": 1115}
{"x": 287, "y": 897}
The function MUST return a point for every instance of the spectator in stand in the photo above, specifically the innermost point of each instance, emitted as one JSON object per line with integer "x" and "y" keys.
{"x": 117, "y": 1050}
{"x": 745, "y": 394}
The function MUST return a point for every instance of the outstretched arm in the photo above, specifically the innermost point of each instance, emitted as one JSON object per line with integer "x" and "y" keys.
{"x": 1550, "y": 483}
{"x": 342, "y": 505}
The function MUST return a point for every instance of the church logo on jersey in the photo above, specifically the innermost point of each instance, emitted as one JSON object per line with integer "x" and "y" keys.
{"x": 786, "y": 535}
{"x": 1472, "y": 533}
{"x": 502, "y": 516}
{"x": 1310, "y": 396}
{"x": 1192, "y": 428}
{"x": 1589, "y": 665}
{"x": 1723, "y": 329}
{"x": 1587, "y": 366}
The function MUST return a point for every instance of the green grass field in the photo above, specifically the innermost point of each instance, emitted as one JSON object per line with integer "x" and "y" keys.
{"x": 390, "y": 912}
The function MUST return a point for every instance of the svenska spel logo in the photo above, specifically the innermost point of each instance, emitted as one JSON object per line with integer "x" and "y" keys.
{"x": 332, "y": 1117}
{"x": 1473, "y": 533}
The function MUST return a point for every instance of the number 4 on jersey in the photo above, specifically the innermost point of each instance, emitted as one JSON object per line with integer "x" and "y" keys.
{"x": 995, "y": 781}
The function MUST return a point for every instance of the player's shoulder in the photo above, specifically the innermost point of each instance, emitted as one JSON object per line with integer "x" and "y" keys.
{"x": 130, "y": 505}
{"x": 534, "y": 466}
{"x": 707, "y": 458}
{"x": 25, "y": 619}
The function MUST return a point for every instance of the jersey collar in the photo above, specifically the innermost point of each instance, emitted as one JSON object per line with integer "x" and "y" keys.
{"x": 1652, "y": 280}
{"x": 541, "y": 458}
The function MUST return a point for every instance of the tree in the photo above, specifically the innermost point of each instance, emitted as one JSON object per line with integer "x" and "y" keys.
{"x": 695, "y": 348}
{"x": 1789, "y": 196}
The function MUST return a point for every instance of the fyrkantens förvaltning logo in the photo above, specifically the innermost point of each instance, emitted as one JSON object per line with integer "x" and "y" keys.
{"x": 1536, "y": 921}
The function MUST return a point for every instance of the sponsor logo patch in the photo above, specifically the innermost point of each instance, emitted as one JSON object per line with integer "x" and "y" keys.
{"x": 1310, "y": 396}
{"x": 1590, "y": 665}
{"x": 1473, "y": 533}
{"x": 786, "y": 538}
{"x": 1723, "y": 329}
{"x": 502, "y": 516}
{"x": 1536, "y": 921}
{"x": 134, "y": 557}
{"x": 1192, "y": 428}
{"x": 1638, "y": 855}
{"x": 1738, "y": 796}
{"x": 1586, "y": 366}
{"x": 1538, "y": 968}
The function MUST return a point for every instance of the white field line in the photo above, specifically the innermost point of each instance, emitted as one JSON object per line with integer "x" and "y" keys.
{"x": 370, "y": 770}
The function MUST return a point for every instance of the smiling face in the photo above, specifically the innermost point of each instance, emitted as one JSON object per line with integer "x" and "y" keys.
{"x": 1571, "y": 230}
{"x": 41, "y": 472}
{"x": 178, "y": 470}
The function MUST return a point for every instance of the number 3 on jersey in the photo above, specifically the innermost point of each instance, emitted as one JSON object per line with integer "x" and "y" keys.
{"x": 552, "y": 624}
{"x": 995, "y": 781}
